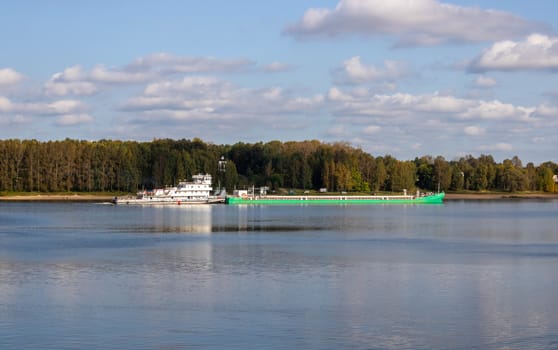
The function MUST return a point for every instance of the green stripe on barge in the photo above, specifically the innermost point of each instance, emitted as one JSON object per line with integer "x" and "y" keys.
{"x": 321, "y": 200}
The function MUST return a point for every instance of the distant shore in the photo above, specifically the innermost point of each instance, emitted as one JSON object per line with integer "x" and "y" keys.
{"x": 496, "y": 196}
{"x": 58, "y": 198}
{"x": 107, "y": 198}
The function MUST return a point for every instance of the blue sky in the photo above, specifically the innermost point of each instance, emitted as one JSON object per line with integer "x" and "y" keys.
{"x": 404, "y": 77}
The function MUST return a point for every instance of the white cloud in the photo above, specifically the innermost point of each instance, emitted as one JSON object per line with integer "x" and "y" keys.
{"x": 73, "y": 73}
{"x": 433, "y": 119}
{"x": 209, "y": 98}
{"x": 443, "y": 124}
{"x": 38, "y": 108}
{"x": 273, "y": 94}
{"x": 547, "y": 111}
{"x": 372, "y": 129}
{"x": 497, "y": 110}
{"x": 414, "y": 22}
{"x": 9, "y": 77}
{"x": 485, "y": 82}
{"x": 73, "y": 80}
{"x": 497, "y": 147}
{"x": 76, "y": 80}
{"x": 401, "y": 105}
{"x": 79, "y": 88}
{"x": 277, "y": 67}
{"x": 14, "y": 120}
{"x": 168, "y": 63}
{"x": 334, "y": 94}
{"x": 74, "y": 119}
{"x": 337, "y": 131}
{"x": 538, "y": 140}
{"x": 396, "y": 105}
{"x": 354, "y": 71}
{"x": 117, "y": 76}
{"x": 474, "y": 131}
{"x": 188, "y": 85}
{"x": 64, "y": 107}
{"x": 21, "y": 119}
{"x": 202, "y": 94}
{"x": 5, "y": 105}
{"x": 536, "y": 52}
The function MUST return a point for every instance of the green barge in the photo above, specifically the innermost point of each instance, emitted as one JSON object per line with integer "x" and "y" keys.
{"x": 435, "y": 198}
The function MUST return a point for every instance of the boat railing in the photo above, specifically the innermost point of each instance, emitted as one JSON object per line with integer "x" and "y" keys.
{"x": 344, "y": 197}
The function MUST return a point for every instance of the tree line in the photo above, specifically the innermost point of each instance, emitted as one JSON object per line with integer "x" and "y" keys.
{"x": 126, "y": 166}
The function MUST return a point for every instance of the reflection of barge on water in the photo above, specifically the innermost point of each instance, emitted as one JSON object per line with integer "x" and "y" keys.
{"x": 243, "y": 197}
{"x": 197, "y": 191}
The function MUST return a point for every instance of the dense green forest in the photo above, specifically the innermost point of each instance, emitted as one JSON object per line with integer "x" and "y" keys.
{"x": 109, "y": 166}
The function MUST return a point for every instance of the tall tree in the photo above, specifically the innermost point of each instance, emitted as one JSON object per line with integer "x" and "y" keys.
{"x": 441, "y": 173}
{"x": 403, "y": 176}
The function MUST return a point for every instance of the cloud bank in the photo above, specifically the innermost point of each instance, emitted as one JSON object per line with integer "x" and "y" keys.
{"x": 353, "y": 71}
{"x": 536, "y": 52}
{"x": 153, "y": 99}
{"x": 390, "y": 108}
{"x": 413, "y": 22}
{"x": 212, "y": 99}
{"x": 9, "y": 77}
{"x": 485, "y": 82}
{"x": 77, "y": 80}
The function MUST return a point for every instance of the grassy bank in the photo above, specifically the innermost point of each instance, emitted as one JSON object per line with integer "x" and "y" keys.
{"x": 105, "y": 196}
{"x": 58, "y": 196}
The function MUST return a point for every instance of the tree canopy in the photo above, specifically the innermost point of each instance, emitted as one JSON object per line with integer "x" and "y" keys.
{"x": 111, "y": 165}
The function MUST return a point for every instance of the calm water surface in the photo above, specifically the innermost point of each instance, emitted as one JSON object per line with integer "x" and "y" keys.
{"x": 463, "y": 275}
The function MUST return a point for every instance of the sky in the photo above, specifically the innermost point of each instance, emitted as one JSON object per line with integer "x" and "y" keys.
{"x": 406, "y": 78}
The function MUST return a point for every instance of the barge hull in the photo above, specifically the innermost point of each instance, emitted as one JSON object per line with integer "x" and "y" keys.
{"x": 316, "y": 200}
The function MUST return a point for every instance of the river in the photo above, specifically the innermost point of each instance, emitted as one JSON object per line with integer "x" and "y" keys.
{"x": 462, "y": 275}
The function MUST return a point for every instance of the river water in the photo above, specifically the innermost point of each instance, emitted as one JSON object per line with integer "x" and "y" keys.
{"x": 462, "y": 275}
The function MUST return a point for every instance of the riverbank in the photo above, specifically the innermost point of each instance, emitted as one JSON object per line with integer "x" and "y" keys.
{"x": 499, "y": 196}
{"x": 107, "y": 197}
{"x": 58, "y": 197}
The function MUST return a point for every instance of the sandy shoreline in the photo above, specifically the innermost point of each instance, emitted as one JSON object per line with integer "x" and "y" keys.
{"x": 107, "y": 198}
{"x": 59, "y": 198}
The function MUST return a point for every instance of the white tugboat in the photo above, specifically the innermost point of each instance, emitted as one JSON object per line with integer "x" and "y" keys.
{"x": 198, "y": 191}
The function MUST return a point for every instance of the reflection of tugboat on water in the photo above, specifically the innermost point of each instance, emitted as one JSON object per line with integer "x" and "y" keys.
{"x": 198, "y": 191}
